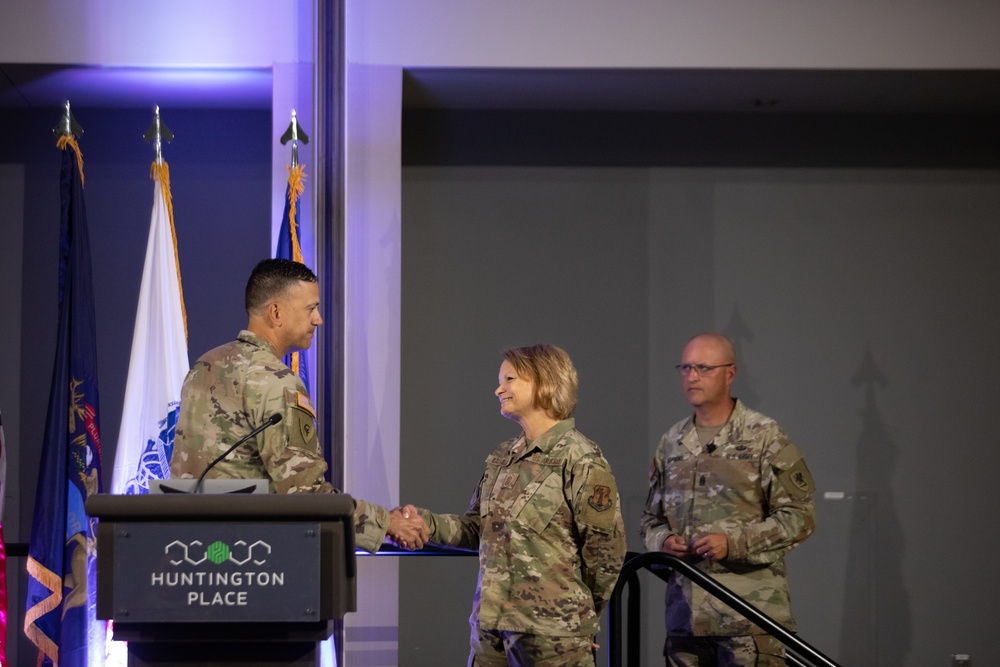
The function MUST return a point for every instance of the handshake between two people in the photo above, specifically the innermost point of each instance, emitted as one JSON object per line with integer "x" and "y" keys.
{"x": 407, "y": 529}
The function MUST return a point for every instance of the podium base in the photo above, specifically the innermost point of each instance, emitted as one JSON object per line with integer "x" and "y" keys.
{"x": 223, "y": 644}
{"x": 223, "y": 654}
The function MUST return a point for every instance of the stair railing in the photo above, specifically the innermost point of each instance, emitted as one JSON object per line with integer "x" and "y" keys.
{"x": 662, "y": 564}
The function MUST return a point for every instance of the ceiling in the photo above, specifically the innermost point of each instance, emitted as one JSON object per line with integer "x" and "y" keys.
{"x": 669, "y": 90}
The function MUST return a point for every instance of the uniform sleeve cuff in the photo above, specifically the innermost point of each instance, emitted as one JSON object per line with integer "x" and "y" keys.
{"x": 736, "y": 545}
{"x": 431, "y": 522}
{"x": 656, "y": 538}
{"x": 370, "y": 524}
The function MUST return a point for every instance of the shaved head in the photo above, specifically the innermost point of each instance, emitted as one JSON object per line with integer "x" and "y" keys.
{"x": 708, "y": 368}
{"x": 725, "y": 346}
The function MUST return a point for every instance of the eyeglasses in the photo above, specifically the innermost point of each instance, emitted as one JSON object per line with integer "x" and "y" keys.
{"x": 699, "y": 369}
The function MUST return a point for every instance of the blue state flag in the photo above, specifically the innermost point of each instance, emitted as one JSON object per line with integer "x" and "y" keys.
{"x": 289, "y": 248}
{"x": 61, "y": 595}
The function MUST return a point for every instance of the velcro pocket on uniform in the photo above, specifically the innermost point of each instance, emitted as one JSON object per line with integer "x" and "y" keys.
{"x": 598, "y": 507}
{"x": 539, "y": 501}
{"x": 792, "y": 472}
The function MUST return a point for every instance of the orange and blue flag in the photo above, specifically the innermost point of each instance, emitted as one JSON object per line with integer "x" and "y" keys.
{"x": 289, "y": 248}
{"x": 61, "y": 595}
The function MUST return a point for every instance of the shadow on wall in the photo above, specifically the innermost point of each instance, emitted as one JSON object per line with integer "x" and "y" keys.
{"x": 863, "y": 538}
{"x": 875, "y": 627}
{"x": 739, "y": 331}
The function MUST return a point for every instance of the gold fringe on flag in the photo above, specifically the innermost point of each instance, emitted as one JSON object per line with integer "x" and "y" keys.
{"x": 161, "y": 172}
{"x": 46, "y": 577}
{"x": 296, "y": 186}
{"x": 70, "y": 140}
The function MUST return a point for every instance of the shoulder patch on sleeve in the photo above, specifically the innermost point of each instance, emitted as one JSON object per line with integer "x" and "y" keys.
{"x": 797, "y": 480}
{"x": 303, "y": 403}
{"x": 791, "y": 470}
{"x": 599, "y": 499}
{"x": 301, "y": 418}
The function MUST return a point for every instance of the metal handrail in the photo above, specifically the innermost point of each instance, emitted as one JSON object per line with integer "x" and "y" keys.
{"x": 629, "y": 579}
{"x": 429, "y": 550}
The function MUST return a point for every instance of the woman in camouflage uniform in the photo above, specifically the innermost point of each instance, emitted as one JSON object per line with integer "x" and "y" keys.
{"x": 546, "y": 520}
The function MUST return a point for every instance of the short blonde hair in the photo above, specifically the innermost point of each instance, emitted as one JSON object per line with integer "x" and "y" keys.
{"x": 553, "y": 374}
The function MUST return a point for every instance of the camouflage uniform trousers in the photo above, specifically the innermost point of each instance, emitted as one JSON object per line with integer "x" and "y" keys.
{"x": 740, "y": 651}
{"x": 501, "y": 648}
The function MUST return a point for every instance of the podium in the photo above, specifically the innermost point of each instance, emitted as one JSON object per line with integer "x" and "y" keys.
{"x": 222, "y": 580}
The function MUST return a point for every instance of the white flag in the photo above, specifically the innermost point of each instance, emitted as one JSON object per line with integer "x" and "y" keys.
{"x": 159, "y": 358}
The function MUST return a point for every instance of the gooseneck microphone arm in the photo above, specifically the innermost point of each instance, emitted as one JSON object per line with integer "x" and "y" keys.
{"x": 270, "y": 421}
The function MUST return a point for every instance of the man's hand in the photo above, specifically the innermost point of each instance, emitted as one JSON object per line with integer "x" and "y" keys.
{"x": 713, "y": 546}
{"x": 675, "y": 546}
{"x": 407, "y": 529}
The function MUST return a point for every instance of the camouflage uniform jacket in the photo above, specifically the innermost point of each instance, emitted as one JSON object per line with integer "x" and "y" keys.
{"x": 753, "y": 486}
{"x": 548, "y": 527}
{"x": 230, "y": 391}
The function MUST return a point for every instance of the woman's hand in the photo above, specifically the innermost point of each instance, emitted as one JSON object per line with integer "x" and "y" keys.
{"x": 407, "y": 529}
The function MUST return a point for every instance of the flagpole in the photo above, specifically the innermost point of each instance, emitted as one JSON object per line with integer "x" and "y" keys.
{"x": 158, "y": 361}
{"x": 288, "y": 246}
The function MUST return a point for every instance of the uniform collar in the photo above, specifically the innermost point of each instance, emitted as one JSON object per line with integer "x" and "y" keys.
{"x": 546, "y": 441}
{"x": 250, "y": 338}
{"x": 732, "y": 430}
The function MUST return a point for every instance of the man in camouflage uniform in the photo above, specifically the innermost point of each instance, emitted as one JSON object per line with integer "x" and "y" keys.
{"x": 546, "y": 519}
{"x": 234, "y": 388}
{"x": 730, "y": 493}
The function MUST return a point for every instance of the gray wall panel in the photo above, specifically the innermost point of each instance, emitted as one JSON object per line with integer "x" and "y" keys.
{"x": 863, "y": 307}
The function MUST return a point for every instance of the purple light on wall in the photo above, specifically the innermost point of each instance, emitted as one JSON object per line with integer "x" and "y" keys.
{"x": 41, "y": 86}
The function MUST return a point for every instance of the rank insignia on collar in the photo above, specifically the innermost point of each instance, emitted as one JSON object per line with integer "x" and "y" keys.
{"x": 600, "y": 499}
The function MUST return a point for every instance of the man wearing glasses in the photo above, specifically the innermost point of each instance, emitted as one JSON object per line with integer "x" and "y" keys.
{"x": 730, "y": 493}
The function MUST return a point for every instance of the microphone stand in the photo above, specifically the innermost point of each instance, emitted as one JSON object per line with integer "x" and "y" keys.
{"x": 271, "y": 421}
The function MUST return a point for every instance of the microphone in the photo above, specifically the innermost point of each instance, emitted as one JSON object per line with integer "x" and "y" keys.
{"x": 270, "y": 421}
